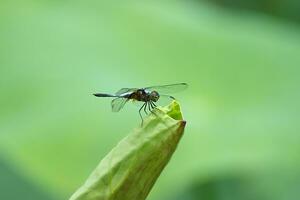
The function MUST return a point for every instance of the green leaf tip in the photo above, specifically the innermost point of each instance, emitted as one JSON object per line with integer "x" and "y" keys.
{"x": 173, "y": 110}
{"x": 129, "y": 170}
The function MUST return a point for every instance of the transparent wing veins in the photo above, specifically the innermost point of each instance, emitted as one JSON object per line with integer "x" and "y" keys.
{"x": 118, "y": 103}
{"x": 125, "y": 90}
{"x": 172, "y": 88}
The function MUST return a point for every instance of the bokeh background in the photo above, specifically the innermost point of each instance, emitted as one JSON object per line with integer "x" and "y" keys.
{"x": 240, "y": 57}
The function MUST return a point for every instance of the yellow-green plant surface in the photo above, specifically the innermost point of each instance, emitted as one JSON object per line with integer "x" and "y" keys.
{"x": 130, "y": 170}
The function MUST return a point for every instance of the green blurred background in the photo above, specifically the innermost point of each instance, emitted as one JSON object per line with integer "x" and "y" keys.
{"x": 240, "y": 58}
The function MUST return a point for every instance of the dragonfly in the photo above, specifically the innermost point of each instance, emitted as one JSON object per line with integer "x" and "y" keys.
{"x": 147, "y": 95}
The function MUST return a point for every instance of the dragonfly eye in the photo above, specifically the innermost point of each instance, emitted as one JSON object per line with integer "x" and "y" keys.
{"x": 154, "y": 96}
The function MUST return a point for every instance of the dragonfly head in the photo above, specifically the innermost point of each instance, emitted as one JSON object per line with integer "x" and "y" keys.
{"x": 154, "y": 96}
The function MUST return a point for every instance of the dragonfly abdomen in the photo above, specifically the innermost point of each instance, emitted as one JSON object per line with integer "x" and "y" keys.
{"x": 104, "y": 95}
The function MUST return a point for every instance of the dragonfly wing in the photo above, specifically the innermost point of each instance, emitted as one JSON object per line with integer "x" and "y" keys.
{"x": 125, "y": 90}
{"x": 118, "y": 103}
{"x": 165, "y": 89}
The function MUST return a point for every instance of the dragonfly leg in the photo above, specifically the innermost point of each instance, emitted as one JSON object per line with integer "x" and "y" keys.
{"x": 150, "y": 107}
{"x": 152, "y": 104}
{"x": 141, "y": 113}
{"x": 145, "y": 107}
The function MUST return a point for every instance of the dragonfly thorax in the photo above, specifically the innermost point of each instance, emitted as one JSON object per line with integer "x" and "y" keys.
{"x": 144, "y": 95}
